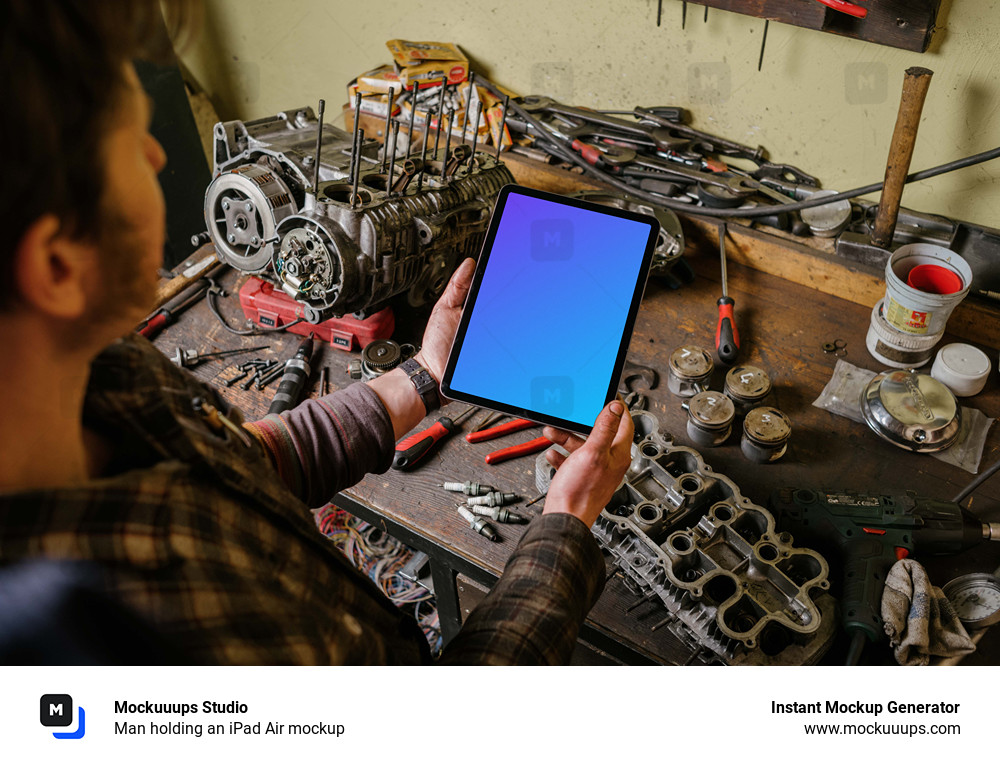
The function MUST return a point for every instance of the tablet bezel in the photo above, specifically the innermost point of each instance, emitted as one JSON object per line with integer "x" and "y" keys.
{"x": 484, "y": 255}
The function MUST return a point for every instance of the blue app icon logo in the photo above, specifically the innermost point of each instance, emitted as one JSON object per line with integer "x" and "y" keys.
{"x": 57, "y": 710}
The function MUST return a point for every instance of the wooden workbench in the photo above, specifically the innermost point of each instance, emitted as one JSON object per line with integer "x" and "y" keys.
{"x": 783, "y": 328}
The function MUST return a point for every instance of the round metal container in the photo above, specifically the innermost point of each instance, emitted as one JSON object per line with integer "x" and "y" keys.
{"x": 747, "y": 386}
{"x": 827, "y": 220}
{"x": 765, "y": 434}
{"x": 911, "y": 410}
{"x": 710, "y": 418}
{"x": 689, "y": 370}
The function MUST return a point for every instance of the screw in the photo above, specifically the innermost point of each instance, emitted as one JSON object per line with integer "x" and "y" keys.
{"x": 254, "y": 240}
{"x": 248, "y": 207}
{"x": 225, "y": 204}
{"x": 231, "y": 239}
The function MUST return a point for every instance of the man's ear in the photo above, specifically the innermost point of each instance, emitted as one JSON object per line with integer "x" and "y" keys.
{"x": 51, "y": 270}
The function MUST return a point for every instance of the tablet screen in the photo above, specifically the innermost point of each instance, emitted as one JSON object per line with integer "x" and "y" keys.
{"x": 550, "y": 313}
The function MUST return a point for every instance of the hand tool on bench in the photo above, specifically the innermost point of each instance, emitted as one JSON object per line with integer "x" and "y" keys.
{"x": 727, "y": 339}
{"x": 412, "y": 449}
{"x": 518, "y": 450}
{"x": 916, "y": 81}
{"x": 495, "y": 432}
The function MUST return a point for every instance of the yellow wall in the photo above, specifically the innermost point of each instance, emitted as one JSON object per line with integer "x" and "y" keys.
{"x": 824, "y": 103}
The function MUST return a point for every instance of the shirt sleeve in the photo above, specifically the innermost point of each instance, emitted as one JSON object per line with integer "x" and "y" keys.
{"x": 325, "y": 445}
{"x": 534, "y": 613}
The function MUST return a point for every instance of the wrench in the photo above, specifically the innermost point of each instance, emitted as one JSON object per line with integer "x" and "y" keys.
{"x": 664, "y": 138}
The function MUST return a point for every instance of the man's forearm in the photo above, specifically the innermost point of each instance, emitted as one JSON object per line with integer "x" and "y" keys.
{"x": 533, "y": 614}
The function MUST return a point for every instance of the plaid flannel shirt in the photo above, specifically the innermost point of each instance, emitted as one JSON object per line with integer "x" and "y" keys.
{"x": 196, "y": 531}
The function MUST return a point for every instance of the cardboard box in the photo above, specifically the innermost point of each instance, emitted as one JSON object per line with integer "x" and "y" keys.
{"x": 426, "y": 63}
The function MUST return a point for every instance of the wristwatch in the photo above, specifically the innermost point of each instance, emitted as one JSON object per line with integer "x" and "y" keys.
{"x": 424, "y": 382}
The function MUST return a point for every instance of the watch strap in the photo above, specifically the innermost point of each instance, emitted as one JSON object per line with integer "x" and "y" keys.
{"x": 424, "y": 382}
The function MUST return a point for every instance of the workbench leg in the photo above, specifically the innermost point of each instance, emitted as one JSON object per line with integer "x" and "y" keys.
{"x": 446, "y": 597}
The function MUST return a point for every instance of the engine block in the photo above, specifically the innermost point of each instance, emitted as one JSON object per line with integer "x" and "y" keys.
{"x": 333, "y": 250}
{"x": 732, "y": 584}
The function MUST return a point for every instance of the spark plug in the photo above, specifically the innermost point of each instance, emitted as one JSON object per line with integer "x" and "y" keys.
{"x": 500, "y": 514}
{"x": 493, "y": 498}
{"x": 469, "y": 487}
{"x": 480, "y": 525}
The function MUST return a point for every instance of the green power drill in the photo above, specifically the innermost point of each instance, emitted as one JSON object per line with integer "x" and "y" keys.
{"x": 871, "y": 532}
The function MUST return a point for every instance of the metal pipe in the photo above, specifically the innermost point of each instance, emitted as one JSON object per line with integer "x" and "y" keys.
{"x": 503, "y": 125}
{"x": 385, "y": 132}
{"x": 413, "y": 116}
{"x": 475, "y": 139}
{"x": 468, "y": 102}
{"x": 392, "y": 157}
{"x": 437, "y": 135}
{"x": 354, "y": 140}
{"x": 447, "y": 138}
{"x": 319, "y": 146}
{"x": 423, "y": 153}
{"x": 357, "y": 169}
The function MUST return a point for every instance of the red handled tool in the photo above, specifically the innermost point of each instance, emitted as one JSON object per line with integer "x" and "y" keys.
{"x": 497, "y": 431}
{"x": 727, "y": 339}
{"x": 518, "y": 450}
{"x": 412, "y": 449}
{"x": 851, "y": 9}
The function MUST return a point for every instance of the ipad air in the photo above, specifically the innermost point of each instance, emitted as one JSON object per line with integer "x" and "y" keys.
{"x": 549, "y": 316}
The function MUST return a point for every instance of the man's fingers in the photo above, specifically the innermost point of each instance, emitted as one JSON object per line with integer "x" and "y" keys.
{"x": 626, "y": 430}
{"x": 555, "y": 458}
{"x": 563, "y": 438}
{"x": 606, "y": 426}
{"x": 458, "y": 286}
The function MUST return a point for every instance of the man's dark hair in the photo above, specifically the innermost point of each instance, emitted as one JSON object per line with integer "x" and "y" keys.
{"x": 61, "y": 75}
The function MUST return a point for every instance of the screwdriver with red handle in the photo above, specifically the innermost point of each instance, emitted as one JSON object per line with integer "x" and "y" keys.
{"x": 412, "y": 449}
{"x": 727, "y": 339}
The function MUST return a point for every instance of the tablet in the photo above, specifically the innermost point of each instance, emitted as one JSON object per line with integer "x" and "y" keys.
{"x": 549, "y": 316}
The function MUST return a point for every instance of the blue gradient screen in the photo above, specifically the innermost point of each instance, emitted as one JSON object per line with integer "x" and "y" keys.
{"x": 552, "y": 306}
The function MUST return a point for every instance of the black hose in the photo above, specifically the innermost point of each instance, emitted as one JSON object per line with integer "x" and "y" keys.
{"x": 554, "y": 145}
{"x": 858, "y": 641}
{"x": 969, "y": 488}
{"x": 211, "y": 298}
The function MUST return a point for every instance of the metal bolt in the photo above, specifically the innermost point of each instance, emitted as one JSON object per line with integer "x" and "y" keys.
{"x": 479, "y": 525}
{"x": 469, "y": 487}
{"x": 248, "y": 207}
{"x": 493, "y": 499}
{"x": 254, "y": 240}
{"x": 231, "y": 239}
{"x": 499, "y": 514}
{"x": 225, "y": 204}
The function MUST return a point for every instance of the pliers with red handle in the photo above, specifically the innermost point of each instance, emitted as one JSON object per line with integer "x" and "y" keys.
{"x": 518, "y": 450}
{"x": 495, "y": 432}
{"x": 851, "y": 9}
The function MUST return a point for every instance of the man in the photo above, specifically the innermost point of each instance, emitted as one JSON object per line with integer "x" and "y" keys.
{"x": 110, "y": 456}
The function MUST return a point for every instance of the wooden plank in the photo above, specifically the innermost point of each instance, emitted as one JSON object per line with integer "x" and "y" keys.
{"x": 906, "y": 24}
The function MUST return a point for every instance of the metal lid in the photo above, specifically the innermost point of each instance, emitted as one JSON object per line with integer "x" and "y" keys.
{"x": 911, "y": 410}
{"x": 710, "y": 409}
{"x": 767, "y": 426}
{"x": 747, "y": 383}
{"x": 827, "y": 220}
{"x": 691, "y": 362}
